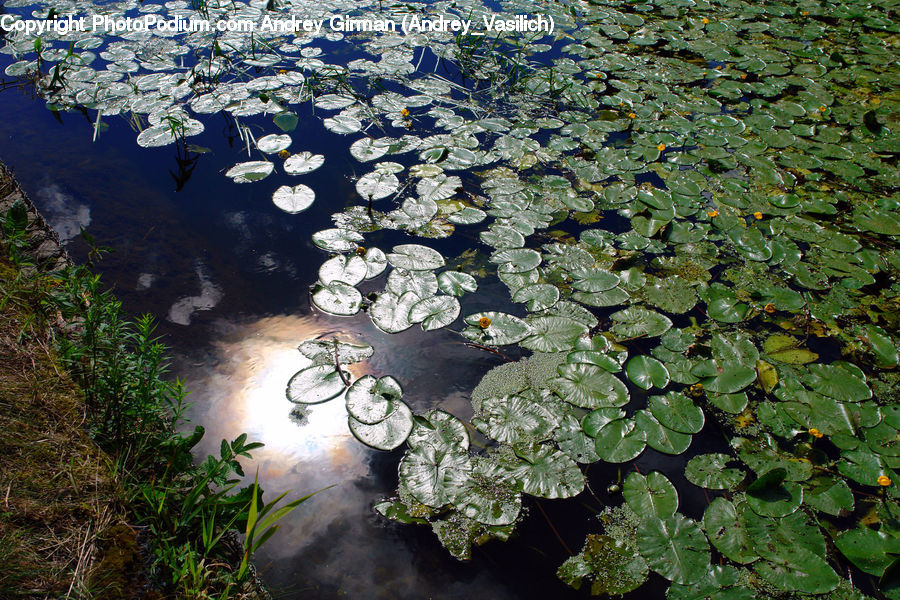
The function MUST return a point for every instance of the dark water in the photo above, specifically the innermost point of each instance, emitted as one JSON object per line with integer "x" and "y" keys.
{"x": 227, "y": 274}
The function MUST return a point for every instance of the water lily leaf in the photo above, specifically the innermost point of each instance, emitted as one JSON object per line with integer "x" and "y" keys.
{"x": 293, "y": 199}
{"x": 785, "y": 348}
{"x": 440, "y": 429}
{"x": 377, "y": 185}
{"x": 270, "y": 144}
{"x": 397, "y": 511}
{"x": 634, "y": 322}
{"x": 286, "y": 121}
{"x": 677, "y": 412}
{"x": 548, "y": 473}
{"x": 674, "y": 547}
{"x": 709, "y": 471}
{"x": 347, "y": 269}
{"x": 390, "y": 312}
{"x": 388, "y": 433}
{"x": 537, "y": 296}
{"x": 414, "y": 257}
{"x": 798, "y": 569}
{"x": 837, "y": 383}
{"x": 659, "y": 437}
{"x": 829, "y": 495}
{"x": 303, "y": 162}
{"x": 553, "y": 334}
{"x": 728, "y": 377}
{"x": 613, "y": 297}
{"x": 502, "y": 237}
{"x": 767, "y": 376}
{"x": 672, "y": 295}
{"x": 721, "y": 583}
{"x": 435, "y": 312}
{"x": 342, "y": 124}
{"x": 337, "y": 240}
{"x": 371, "y": 400}
{"x": 593, "y": 280}
{"x": 514, "y": 419}
{"x": 248, "y": 172}
{"x": 322, "y": 352}
{"x": 456, "y": 283}
{"x": 467, "y": 216}
{"x": 870, "y": 551}
{"x": 596, "y": 419}
{"x": 726, "y": 529}
{"x": 366, "y": 149}
{"x": 882, "y": 347}
{"x": 495, "y": 328}
{"x": 435, "y": 475}
{"x": 518, "y": 260}
{"x": 589, "y": 386}
{"x": 376, "y": 262}
{"x": 164, "y": 133}
{"x": 772, "y": 496}
{"x": 439, "y": 187}
{"x": 337, "y": 298}
{"x": 612, "y": 566}
{"x": 422, "y": 283}
{"x": 861, "y": 466}
{"x": 620, "y": 441}
{"x": 651, "y": 495}
{"x": 647, "y": 372}
{"x": 487, "y": 500}
{"x": 733, "y": 347}
{"x": 314, "y": 384}
{"x": 571, "y": 439}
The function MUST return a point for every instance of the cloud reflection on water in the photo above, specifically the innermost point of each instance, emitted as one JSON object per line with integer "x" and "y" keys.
{"x": 334, "y": 545}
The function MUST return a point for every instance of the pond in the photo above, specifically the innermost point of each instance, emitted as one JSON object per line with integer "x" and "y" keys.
{"x": 634, "y": 279}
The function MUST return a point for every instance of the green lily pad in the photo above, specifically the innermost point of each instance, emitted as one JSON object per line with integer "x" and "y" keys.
{"x": 589, "y": 386}
{"x": 651, "y": 495}
{"x": 647, "y": 372}
{"x": 772, "y": 496}
{"x": 709, "y": 471}
{"x": 634, "y": 322}
{"x": 675, "y": 548}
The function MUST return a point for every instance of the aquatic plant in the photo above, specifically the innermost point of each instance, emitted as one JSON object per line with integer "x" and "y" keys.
{"x": 726, "y": 177}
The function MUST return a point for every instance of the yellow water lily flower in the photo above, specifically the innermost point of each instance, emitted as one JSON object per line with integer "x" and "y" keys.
{"x": 769, "y": 308}
{"x": 884, "y": 480}
{"x": 632, "y": 116}
{"x": 404, "y": 112}
{"x": 815, "y": 433}
{"x": 484, "y": 322}
{"x": 661, "y": 147}
{"x": 757, "y": 215}
{"x": 284, "y": 154}
{"x": 712, "y": 213}
{"x": 704, "y": 20}
{"x": 361, "y": 251}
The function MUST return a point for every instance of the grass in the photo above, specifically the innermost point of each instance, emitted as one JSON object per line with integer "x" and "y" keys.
{"x": 100, "y": 495}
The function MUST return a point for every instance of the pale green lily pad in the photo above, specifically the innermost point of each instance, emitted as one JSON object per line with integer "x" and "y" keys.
{"x": 315, "y": 384}
{"x": 435, "y": 475}
{"x": 589, "y": 386}
{"x": 337, "y": 298}
{"x": 248, "y": 172}
{"x": 414, "y": 257}
{"x": 634, "y": 322}
{"x": 371, "y": 400}
{"x": 435, "y": 312}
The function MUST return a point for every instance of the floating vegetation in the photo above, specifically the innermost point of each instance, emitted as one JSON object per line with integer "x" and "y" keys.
{"x": 695, "y": 209}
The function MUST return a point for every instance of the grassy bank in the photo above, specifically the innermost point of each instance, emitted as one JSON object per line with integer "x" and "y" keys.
{"x": 100, "y": 495}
